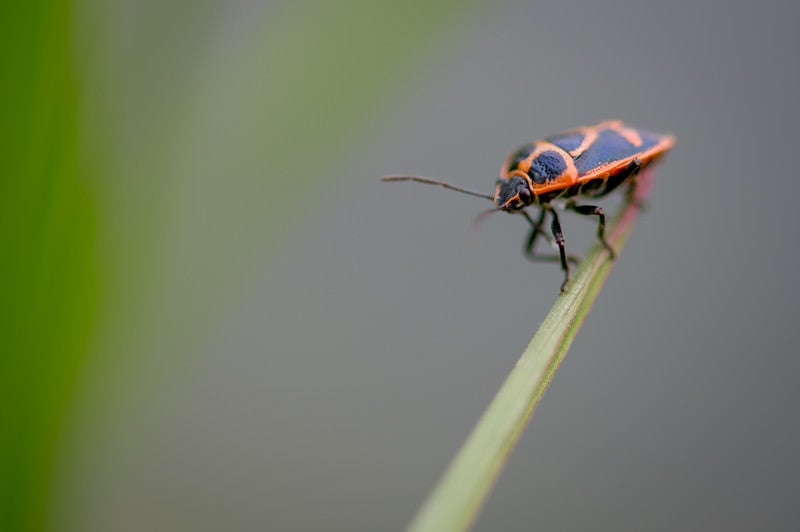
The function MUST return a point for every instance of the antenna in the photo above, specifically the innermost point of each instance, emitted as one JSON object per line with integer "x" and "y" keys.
{"x": 429, "y": 181}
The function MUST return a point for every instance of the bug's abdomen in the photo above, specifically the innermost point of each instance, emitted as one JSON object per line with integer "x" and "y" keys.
{"x": 610, "y": 147}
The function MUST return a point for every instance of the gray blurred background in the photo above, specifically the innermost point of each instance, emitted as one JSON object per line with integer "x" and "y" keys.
{"x": 356, "y": 354}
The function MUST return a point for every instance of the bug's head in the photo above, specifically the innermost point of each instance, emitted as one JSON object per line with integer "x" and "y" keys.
{"x": 513, "y": 194}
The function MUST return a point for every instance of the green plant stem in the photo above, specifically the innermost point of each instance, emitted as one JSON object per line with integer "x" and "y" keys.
{"x": 455, "y": 501}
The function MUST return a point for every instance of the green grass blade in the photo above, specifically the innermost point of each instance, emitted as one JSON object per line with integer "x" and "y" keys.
{"x": 455, "y": 501}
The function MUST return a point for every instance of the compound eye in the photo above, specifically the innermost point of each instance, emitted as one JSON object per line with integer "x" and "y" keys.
{"x": 525, "y": 195}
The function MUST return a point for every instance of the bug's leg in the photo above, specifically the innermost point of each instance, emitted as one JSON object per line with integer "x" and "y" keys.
{"x": 593, "y": 210}
{"x": 562, "y": 250}
{"x": 537, "y": 230}
{"x": 633, "y": 169}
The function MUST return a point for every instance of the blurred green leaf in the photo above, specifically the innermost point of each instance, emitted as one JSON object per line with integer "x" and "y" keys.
{"x": 48, "y": 228}
{"x": 154, "y": 152}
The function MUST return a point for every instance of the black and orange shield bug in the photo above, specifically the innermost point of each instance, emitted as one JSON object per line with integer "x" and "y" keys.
{"x": 589, "y": 161}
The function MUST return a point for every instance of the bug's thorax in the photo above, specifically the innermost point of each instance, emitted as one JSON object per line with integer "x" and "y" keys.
{"x": 545, "y": 166}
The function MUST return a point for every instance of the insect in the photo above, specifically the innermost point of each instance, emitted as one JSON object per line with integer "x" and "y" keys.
{"x": 589, "y": 161}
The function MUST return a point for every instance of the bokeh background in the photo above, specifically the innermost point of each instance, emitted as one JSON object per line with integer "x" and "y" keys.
{"x": 216, "y": 318}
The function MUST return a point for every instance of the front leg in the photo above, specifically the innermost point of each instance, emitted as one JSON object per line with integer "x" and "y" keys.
{"x": 558, "y": 234}
{"x": 537, "y": 231}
